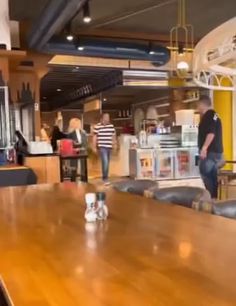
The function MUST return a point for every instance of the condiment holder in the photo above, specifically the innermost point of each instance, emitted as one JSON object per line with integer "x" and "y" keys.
{"x": 90, "y": 213}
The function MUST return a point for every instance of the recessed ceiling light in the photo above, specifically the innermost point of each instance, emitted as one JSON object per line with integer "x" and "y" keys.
{"x": 104, "y": 99}
{"x": 80, "y": 48}
{"x": 151, "y": 52}
{"x": 58, "y": 89}
{"x": 69, "y": 37}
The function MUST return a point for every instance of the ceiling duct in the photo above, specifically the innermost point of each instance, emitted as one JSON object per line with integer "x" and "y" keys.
{"x": 145, "y": 78}
{"x": 88, "y": 46}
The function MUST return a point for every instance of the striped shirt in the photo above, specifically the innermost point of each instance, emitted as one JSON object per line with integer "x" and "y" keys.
{"x": 104, "y": 135}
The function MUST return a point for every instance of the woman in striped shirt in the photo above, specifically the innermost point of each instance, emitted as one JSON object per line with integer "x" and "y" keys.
{"x": 103, "y": 140}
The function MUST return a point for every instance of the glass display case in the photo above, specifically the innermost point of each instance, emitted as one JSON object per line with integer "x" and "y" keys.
{"x": 142, "y": 163}
{"x": 164, "y": 162}
{"x": 146, "y": 163}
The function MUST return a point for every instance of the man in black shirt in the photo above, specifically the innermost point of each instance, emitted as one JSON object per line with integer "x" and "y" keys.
{"x": 210, "y": 145}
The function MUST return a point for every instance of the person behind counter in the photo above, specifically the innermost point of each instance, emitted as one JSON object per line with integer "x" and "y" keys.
{"x": 210, "y": 145}
{"x": 56, "y": 135}
{"x": 45, "y": 132}
{"x": 104, "y": 140}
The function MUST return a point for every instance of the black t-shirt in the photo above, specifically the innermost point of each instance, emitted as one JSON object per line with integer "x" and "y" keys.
{"x": 210, "y": 124}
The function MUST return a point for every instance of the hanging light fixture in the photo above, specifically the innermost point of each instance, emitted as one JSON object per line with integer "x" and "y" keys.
{"x": 181, "y": 45}
{"x": 69, "y": 34}
{"x": 79, "y": 45}
{"x": 86, "y": 13}
{"x": 150, "y": 49}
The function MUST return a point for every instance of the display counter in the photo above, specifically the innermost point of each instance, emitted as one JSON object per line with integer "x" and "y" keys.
{"x": 45, "y": 166}
{"x": 162, "y": 164}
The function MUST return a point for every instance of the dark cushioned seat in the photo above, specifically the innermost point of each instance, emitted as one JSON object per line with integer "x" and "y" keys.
{"x": 21, "y": 176}
{"x": 225, "y": 209}
{"x": 135, "y": 186}
{"x": 182, "y": 195}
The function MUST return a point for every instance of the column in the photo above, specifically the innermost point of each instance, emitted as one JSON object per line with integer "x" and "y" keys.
{"x": 5, "y": 37}
{"x": 234, "y": 124}
{"x": 223, "y": 104}
{"x": 176, "y": 96}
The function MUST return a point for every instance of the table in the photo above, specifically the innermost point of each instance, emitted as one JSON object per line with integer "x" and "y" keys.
{"x": 83, "y": 162}
{"x": 14, "y": 175}
{"x": 145, "y": 254}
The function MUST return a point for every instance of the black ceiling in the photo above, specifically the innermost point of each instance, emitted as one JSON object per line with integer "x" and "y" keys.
{"x": 61, "y": 81}
{"x": 122, "y": 97}
{"x": 135, "y": 15}
{"x": 67, "y": 78}
{"x": 26, "y": 10}
{"x": 150, "y": 16}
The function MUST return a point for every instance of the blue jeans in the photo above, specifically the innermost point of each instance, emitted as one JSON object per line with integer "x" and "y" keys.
{"x": 209, "y": 169}
{"x": 105, "y": 154}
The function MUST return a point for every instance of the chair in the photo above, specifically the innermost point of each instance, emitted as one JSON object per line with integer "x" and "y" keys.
{"x": 182, "y": 195}
{"x": 225, "y": 209}
{"x": 224, "y": 179}
{"x": 135, "y": 186}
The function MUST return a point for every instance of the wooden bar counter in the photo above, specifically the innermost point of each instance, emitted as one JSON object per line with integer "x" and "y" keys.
{"x": 45, "y": 166}
{"x": 145, "y": 254}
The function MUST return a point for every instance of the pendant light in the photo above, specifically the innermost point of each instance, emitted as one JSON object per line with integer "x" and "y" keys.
{"x": 86, "y": 13}
{"x": 181, "y": 45}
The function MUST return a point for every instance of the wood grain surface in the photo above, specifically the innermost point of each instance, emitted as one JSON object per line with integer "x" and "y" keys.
{"x": 145, "y": 254}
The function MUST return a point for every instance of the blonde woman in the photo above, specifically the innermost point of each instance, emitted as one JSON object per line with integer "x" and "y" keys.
{"x": 79, "y": 138}
{"x": 76, "y": 134}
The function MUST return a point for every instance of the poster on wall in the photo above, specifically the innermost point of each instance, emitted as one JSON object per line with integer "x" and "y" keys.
{"x": 146, "y": 164}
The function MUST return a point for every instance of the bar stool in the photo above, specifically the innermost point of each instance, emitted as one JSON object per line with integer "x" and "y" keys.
{"x": 224, "y": 179}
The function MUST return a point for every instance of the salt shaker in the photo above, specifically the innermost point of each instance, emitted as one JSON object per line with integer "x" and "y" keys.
{"x": 102, "y": 210}
{"x": 90, "y": 213}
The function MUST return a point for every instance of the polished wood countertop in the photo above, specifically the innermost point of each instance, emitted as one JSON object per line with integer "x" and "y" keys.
{"x": 145, "y": 254}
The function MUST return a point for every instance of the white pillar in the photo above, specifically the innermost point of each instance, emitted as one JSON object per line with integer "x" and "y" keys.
{"x": 5, "y": 36}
